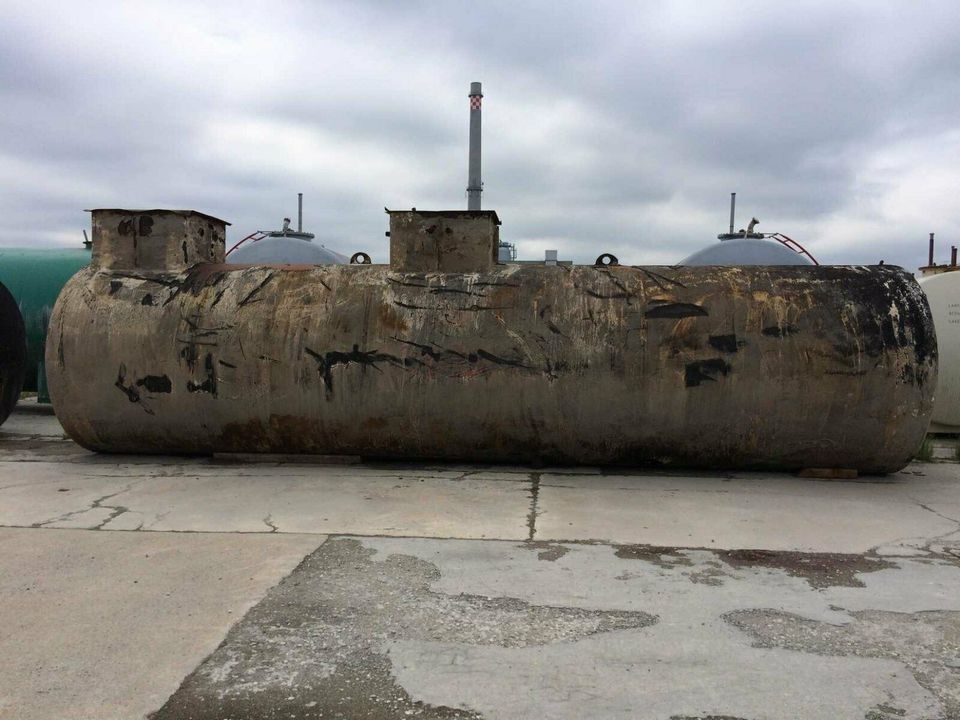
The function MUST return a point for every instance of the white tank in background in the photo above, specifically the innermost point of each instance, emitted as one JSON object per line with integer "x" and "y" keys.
{"x": 941, "y": 283}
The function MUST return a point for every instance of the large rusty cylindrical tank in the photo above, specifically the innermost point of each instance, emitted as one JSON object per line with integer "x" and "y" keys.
{"x": 13, "y": 352}
{"x": 447, "y": 354}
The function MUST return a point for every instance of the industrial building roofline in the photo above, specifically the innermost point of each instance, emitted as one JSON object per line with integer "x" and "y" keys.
{"x": 158, "y": 211}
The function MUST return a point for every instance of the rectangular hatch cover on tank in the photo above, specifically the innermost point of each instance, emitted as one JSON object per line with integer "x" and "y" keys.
{"x": 155, "y": 240}
{"x": 453, "y": 241}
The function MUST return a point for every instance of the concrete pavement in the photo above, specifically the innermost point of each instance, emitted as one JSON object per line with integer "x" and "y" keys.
{"x": 491, "y": 592}
{"x": 105, "y": 625}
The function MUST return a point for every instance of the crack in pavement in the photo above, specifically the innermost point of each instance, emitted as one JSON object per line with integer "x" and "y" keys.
{"x": 97, "y": 504}
{"x": 534, "y": 509}
{"x": 268, "y": 522}
{"x": 935, "y": 512}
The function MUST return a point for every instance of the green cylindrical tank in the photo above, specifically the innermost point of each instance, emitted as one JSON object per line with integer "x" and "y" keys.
{"x": 34, "y": 276}
{"x": 12, "y": 350}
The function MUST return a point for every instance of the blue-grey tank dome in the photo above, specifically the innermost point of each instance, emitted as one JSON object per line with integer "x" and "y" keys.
{"x": 746, "y": 251}
{"x": 285, "y": 249}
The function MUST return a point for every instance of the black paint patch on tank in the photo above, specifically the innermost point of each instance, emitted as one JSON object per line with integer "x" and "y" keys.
{"x": 424, "y": 349}
{"x": 549, "y": 323}
{"x": 145, "y": 225}
{"x": 674, "y": 311}
{"x": 147, "y": 299}
{"x": 209, "y": 385}
{"x": 657, "y": 277}
{"x": 155, "y": 383}
{"x": 130, "y": 391}
{"x": 115, "y": 286}
{"x": 908, "y": 375}
{"x": 924, "y": 337}
{"x": 705, "y": 371}
{"x": 780, "y": 331}
{"x": 406, "y": 283}
{"x": 183, "y": 247}
{"x": 133, "y": 395}
{"x": 438, "y": 290}
{"x": 190, "y": 356}
{"x": 250, "y": 297}
{"x": 490, "y": 357}
{"x": 327, "y": 361}
{"x": 726, "y": 343}
{"x": 606, "y": 296}
{"x": 434, "y": 352}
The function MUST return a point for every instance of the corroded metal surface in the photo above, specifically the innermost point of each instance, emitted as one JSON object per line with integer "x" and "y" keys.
{"x": 776, "y": 367}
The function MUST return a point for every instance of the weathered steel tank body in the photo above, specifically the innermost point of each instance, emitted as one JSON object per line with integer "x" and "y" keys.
{"x": 13, "y": 353}
{"x": 447, "y": 354}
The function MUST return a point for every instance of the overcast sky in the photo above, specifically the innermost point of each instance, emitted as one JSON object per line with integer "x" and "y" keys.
{"x": 608, "y": 127}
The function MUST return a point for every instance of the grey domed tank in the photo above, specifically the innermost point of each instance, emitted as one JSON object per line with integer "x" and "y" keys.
{"x": 747, "y": 251}
{"x": 293, "y": 248}
{"x": 748, "y": 247}
{"x": 283, "y": 247}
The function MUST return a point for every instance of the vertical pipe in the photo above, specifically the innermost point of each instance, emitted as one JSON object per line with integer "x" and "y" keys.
{"x": 733, "y": 206}
{"x": 299, "y": 212}
{"x": 474, "y": 184}
{"x": 930, "y": 260}
{"x": 953, "y": 256}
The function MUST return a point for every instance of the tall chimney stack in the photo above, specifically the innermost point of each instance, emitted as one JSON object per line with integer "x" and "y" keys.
{"x": 930, "y": 260}
{"x": 299, "y": 212}
{"x": 474, "y": 184}
{"x": 733, "y": 208}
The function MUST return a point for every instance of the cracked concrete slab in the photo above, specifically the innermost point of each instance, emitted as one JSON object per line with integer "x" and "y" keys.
{"x": 761, "y": 511}
{"x": 388, "y": 627}
{"x": 751, "y": 510}
{"x": 208, "y": 497}
{"x": 667, "y": 508}
{"x": 105, "y": 625}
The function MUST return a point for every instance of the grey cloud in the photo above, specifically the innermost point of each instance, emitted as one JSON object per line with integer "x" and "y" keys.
{"x": 611, "y": 127}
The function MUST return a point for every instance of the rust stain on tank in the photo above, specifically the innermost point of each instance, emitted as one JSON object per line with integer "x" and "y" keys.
{"x": 390, "y": 319}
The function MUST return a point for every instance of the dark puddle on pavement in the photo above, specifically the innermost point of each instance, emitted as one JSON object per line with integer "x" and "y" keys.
{"x": 820, "y": 570}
